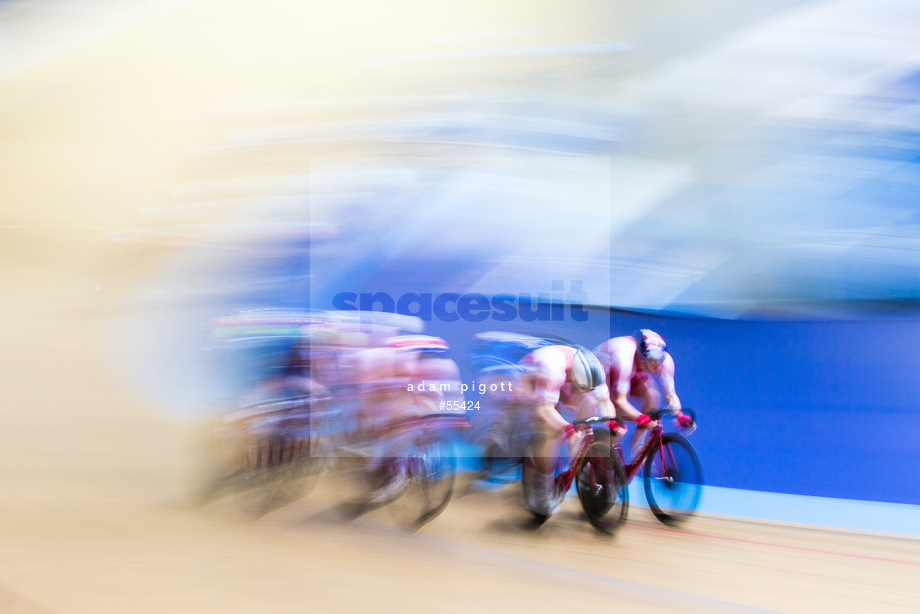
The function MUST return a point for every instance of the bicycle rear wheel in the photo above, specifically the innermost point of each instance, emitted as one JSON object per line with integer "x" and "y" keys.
{"x": 601, "y": 488}
{"x": 277, "y": 470}
{"x": 431, "y": 475}
{"x": 673, "y": 479}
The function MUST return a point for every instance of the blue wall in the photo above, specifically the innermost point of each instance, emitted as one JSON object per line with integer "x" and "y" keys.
{"x": 813, "y": 408}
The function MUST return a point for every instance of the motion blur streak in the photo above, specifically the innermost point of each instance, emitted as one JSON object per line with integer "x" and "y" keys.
{"x": 169, "y": 164}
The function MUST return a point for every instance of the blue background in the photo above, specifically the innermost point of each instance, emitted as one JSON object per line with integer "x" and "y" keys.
{"x": 813, "y": 408}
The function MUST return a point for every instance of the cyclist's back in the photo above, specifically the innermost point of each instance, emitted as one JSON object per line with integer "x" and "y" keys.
{"x": 496, "y": 360}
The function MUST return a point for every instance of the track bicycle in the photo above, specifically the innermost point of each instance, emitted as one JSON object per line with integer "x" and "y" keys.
{"x": 416, "y": 475}
{"x": 672, "y": 474}
{"x": 268, "y": 450}
{"x": 601, "y": 480}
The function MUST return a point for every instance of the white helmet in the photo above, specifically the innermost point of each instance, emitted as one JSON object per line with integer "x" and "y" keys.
{"x": 587, "y": 372}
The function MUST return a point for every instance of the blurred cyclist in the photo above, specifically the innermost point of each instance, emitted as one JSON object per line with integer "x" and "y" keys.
{"x": 631, "y": 364}
{"x": 406, "y": 377}
{"x": 542, "y": 377}
{"x": 562, "y": 374}
{"x": 435, "y": 376}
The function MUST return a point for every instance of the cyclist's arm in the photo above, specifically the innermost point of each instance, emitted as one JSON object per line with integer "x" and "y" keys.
{"x": 625, "y": 410}
{"x": 547, "y": 411}
{"x": 545, "y": 396}
{"x": 667, "y": 383}
{"x": 670, "y": 394}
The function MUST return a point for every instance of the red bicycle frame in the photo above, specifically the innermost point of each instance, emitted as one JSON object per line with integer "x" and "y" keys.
{"x": 653, "y": 439}
{"x": 563, "y": 482}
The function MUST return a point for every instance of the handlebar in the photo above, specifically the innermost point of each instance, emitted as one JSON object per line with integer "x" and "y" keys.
{"x": 449, "y": 418}
{"x": 657, "y": 414}
{"x": 443, "y": 422}
{"x": 587, "y": 422}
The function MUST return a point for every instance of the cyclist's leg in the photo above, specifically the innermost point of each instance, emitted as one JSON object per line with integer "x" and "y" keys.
{"x": 546, "y": 382}
{"x": 385, "y": 442}
{"x": 553, "y": 427}
{"x": 588, "y": 406}
{"x": 495, "y": 436}
{"x": 378, "y": 409}
{"x": 643, "y": 388}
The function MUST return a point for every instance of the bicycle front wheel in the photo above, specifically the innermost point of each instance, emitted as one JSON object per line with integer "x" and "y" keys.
{"x": 431, "y": 469}
{"x": 602, "y": 488}
{"x": 541, "y": 495}
{"x": 673, "y": 479}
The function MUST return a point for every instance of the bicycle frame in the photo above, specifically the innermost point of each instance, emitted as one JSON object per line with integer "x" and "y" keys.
{"x": 565, "y": 479}
{"x": 654, "y": 439}
{"x": 412, "y": 462}
{"x": 592, "y": 466}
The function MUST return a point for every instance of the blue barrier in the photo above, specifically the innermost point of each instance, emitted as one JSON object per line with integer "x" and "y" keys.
{"x": 812, "y": 408}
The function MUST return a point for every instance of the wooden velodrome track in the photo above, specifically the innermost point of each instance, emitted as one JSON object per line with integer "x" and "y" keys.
{"x": 94, "y": 512}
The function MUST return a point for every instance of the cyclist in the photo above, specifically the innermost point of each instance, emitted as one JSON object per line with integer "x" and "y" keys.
{"x": 543, "y": 377}
{"x": 434, "y": 376}
{"x": 406, "y": 377}
{"x": 631, "y": 364}
{"x": 562, "y": 374}
{"x": 321, "y": 364}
